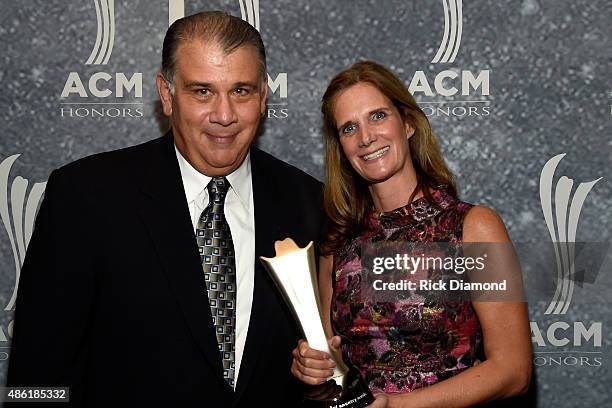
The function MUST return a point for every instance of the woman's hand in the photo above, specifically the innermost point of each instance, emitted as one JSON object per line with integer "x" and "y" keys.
{"x": 313, "y": 366}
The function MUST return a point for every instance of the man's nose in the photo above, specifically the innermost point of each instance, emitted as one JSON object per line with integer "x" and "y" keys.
{"x": 223, "y": 111}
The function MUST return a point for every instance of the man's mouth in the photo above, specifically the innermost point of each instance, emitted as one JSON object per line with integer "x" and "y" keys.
{"x": 222, "y": 137}
{"x": 376, "y": 154}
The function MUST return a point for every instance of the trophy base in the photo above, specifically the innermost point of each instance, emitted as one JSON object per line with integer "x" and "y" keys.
{"x": 356, "y": 394}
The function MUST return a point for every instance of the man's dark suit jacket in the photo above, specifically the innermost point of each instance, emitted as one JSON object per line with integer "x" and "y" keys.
{"x": 112, "y": 301}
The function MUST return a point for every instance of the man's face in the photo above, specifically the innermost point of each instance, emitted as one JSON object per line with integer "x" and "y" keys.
{"x": 216, "y": 106}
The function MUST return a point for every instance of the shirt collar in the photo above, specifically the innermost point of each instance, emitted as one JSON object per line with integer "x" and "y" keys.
{"x": 195, "y": 182}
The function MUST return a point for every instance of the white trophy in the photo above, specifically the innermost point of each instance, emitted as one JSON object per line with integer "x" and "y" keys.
{"x": 294, "y": 271}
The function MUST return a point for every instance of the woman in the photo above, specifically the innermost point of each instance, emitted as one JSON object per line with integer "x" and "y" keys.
{"x": 386, "y": 180}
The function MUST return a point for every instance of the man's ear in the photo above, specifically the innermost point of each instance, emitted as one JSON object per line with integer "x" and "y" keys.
{"x": 264, "y": 95}
{"x": 164, "y": 94}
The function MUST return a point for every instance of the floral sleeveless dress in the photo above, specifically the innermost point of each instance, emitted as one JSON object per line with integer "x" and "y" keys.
{"x": 404, "y": 345}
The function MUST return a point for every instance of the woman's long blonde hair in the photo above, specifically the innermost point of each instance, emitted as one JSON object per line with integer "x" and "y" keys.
{"x": 346, "y": 195}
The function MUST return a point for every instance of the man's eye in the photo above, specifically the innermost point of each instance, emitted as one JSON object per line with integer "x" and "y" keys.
{"x": 241, "y": 91}
{"x": 203, "y": 92}
{"x": 379, "y": 115}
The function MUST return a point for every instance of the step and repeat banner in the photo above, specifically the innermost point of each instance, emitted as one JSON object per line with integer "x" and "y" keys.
{"x": 519, "y": 93}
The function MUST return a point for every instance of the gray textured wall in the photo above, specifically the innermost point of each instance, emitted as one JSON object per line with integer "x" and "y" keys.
{"x": 549, "y": 63}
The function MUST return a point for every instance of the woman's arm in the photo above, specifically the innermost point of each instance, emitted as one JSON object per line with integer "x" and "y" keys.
{"x": 507, "y": 341}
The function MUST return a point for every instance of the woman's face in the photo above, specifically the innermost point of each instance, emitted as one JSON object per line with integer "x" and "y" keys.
{"x": 372, "y": 133}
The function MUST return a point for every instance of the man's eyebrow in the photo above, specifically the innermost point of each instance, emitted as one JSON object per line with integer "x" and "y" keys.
{"x": 241, "y": 84}
{"x": 245, "y": 84}
{"x": 198, "y": 84}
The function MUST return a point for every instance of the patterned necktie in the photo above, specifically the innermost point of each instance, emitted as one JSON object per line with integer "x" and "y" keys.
{"x": 214, "y": 240}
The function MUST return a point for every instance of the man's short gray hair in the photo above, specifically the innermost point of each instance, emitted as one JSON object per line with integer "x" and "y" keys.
{"x": 216, "y": 27}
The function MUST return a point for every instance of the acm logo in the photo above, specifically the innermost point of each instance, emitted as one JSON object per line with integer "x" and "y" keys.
{"x": 18, "y": 206}
{"x": 452, "y": 82}
{"x": 453, "y": 31}
{"x": 561, "y": 210}
{"x": 102, "y": 93}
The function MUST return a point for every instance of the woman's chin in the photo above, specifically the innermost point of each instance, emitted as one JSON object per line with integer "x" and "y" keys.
{"x": 377, "y": 179}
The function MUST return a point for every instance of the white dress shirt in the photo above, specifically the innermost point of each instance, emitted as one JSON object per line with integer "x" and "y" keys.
{"x": 239, "y": 213}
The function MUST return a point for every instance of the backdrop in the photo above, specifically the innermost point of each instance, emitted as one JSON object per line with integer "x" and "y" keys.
{"x": 519, "y": 93}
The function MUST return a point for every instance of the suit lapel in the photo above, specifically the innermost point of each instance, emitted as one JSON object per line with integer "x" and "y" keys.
{"x": 165, "y": 213}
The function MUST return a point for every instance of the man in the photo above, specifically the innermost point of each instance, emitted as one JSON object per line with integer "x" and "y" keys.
{"x": 142, "y": 283}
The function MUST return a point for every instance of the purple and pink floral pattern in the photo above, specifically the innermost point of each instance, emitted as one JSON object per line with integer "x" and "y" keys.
{"x": 404, "y": 345}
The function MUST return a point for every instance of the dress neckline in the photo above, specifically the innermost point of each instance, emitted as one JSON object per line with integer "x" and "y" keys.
{"x": 414, "y": 212}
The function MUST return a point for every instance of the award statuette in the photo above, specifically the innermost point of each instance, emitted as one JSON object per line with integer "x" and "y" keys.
{"x": 295, "y": 273}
